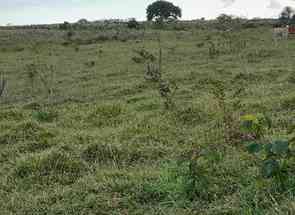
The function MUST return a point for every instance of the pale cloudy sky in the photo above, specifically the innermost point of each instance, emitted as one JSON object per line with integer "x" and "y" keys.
{"x": 53, "y": 11}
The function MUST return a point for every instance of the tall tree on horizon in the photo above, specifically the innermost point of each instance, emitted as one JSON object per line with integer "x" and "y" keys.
{"x": 287, "y": 15}
{"x": 163, "y": 10}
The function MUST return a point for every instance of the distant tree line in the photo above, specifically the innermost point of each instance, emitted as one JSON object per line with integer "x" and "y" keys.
{"x": 162, "y": 13}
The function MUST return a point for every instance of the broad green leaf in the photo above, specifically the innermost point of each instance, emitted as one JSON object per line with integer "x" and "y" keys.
{"x": 254, "y": 148}
{"x": 268, "y": 148}
{"x": 270, "y": 168}
{"x": 280, "y": 147}
{"x": 249, "y": 118}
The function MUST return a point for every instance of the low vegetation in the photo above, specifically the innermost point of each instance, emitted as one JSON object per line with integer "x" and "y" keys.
{"x": 137, "y": 120}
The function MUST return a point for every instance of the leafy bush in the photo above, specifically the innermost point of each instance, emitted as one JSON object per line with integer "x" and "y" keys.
{"x": 179, "y": 183}
{"x": 271, "y": 156}
{"x": 228, "y": 22}
{"x": 254, "y": 126}
{"x": 133, "y": 24}
{"x": 65, "y": 26}
{"x": 224, "y": 21}
{"x": 70, "y": 35}
{"x": 273, "y": 160}
{"x": 44, "y": 116}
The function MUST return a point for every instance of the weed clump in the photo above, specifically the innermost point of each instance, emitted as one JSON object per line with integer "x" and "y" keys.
{"x": 190, "y": 116}
{"x": 118, "y": 155}
{"x": 102, "y": 153}
{"x": 143, "y": 56}
{"x": 106, "y": 115}
{"x": 288, "y": 103}
{"x": 12, "y": 114}
{"x": 35, "y": 146}
{"x": 32, "y": 106}
{"x": 90, "y": 63}
{"x": 256, "y": 56}
{"x": 26, "y": 131}
{"x": 53, "y": 166}
{"x": 255, "y": 126}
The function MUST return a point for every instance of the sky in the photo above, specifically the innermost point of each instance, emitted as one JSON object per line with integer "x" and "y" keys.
{"x": 20, "y": 12}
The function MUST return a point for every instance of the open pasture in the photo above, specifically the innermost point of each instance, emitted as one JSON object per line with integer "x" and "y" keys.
{"x": 83, "y": 130}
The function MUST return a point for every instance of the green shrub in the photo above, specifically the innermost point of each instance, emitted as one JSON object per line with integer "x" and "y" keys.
{"x": 273, "y": 159}
{"x": 133, "y": 24}
{"x": 255, "y": 125}
{"x": 176, "y": 185}
{"x": 44, "y": 116}
{"x": 65, "y": 26}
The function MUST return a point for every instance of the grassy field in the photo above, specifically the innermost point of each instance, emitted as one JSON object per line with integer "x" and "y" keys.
{"x": 84, "y": 132}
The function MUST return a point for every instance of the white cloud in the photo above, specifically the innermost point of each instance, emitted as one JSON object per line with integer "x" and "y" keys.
{"x": 228, "y": 3}
{"x": 274, "y": 4}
